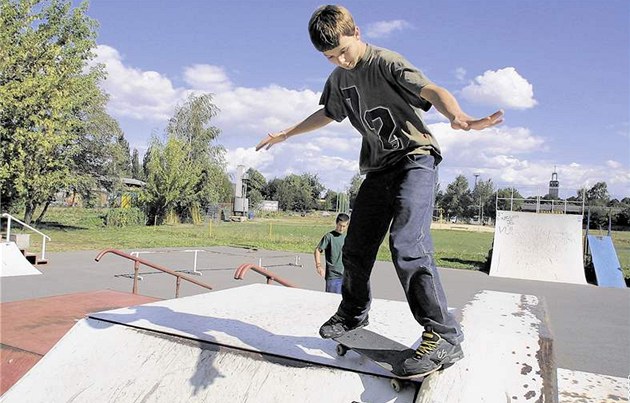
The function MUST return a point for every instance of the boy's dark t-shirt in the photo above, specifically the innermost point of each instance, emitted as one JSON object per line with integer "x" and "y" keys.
{"x": 332, "y": 244}
{"x": 381, "y": 97}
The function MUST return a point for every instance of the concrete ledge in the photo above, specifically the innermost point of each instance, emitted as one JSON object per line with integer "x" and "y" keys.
{"x": 508, "y": 354}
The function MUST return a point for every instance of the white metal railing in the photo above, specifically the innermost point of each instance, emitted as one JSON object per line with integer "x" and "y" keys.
{"x": 45, "y": 237}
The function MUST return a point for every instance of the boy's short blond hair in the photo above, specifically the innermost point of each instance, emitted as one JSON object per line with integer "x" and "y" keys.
{"x": 328, "y": 24}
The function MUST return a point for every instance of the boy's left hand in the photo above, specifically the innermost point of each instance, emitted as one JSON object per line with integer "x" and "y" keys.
{"x": 271, "y": 139}
{"x": 465, "y": 122}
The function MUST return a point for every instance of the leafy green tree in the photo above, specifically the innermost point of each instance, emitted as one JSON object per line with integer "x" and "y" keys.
{"x": 136, "y": 169}
{"x": 295, "y": 192}
{"x": 483, "y": 200}
{"x": 256, "y": 182}
{"x": 353, "y": 189}
{"x": 315, "y": 186}
{"x": 597, "y": 200}
{"x": 45, "y": 89}
{"x": 171, "y": 180}
{"x": 457, "y": 199}
{"x": 203, "y": 178}
{"x": 100, "y": 156}
{"x": 330, "y": 200}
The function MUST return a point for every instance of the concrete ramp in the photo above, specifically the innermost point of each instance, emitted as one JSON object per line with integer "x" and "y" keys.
{"x": 13, "y": 262}
{"x": 533, "y": 246}
{"x": 259, "y": 343}
{"x": 99, "y": 361}
{"x": 605, "y": 261}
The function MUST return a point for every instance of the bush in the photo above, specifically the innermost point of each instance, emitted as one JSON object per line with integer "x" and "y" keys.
{"x": 123, "y": 217}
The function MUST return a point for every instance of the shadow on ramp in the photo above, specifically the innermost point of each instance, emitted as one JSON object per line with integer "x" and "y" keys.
{"x": 164, "y": 352}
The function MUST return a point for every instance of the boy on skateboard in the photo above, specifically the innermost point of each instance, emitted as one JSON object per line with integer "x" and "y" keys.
{"x": 331, "y": 245}
{"x": 383, "y": 95}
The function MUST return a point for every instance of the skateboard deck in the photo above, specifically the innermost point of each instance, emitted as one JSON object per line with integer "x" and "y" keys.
{"x": 386, "y": 353}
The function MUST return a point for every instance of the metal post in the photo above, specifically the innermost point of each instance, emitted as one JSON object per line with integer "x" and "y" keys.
{"x": 8, "y": 228}
{"x": 43, "y": 248}
{"x": 136, "y": 269}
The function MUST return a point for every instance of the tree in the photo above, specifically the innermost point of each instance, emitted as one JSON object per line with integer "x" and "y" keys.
{"x": 597, "y": 199}
{"x": 295, "y": 192}
{"x": 482, "y": 199}
{"x": 191, "y": 144}
{"x": 136, "y": 169}
{"x": 256, "y": 182}
{"x": 507, "y": 198}
{"x": 101, "y": 155}
{"x": 457, "y": 198}
{"x": 45, "y": 90}
{"x": 353, "y": 189}
{"x": 171, "y": 180}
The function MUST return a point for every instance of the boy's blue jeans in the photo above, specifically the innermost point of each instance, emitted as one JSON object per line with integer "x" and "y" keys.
{"x": 399, "y": 199}
{"x": 334, "y": 285}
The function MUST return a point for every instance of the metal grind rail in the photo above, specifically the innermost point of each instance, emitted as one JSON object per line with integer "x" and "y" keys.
{"x": 139, "y": 261}
{"x": 239, "y": 274}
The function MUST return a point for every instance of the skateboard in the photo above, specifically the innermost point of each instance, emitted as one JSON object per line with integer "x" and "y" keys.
{"x": 386, "y": 353}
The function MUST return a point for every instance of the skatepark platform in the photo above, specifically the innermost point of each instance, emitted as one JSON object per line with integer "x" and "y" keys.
{"x": 259, "y": 343}
{"x": 31, "y": 328}
{"x": 13, "y": 262}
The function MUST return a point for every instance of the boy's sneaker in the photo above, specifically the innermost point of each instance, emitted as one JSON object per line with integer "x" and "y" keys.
{"x": 433, "y": 353}
{"x": 337, "y": 325}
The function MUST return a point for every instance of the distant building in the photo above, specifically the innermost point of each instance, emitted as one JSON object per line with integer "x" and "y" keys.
{"x": 268, "y": 205}
{"x": 554, "y": 185}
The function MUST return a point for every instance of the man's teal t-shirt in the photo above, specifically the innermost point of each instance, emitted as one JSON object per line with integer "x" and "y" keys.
{"x": 332, "y": 244}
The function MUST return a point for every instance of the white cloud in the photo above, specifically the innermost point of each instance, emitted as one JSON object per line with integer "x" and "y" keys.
{"x": 142, "y": 95}
{"x": 514, "y": 156}
{"x": 383, "y": 29}
{"x": 460, "y": 73}
{"x": 205, "y": 77}
{"x": 504, "y": 88}
{"x": 507, "y": 155}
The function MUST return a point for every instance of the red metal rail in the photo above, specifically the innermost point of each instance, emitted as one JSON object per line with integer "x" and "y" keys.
{"x": 239, "y": 274}
{"x": 136, "y": 267}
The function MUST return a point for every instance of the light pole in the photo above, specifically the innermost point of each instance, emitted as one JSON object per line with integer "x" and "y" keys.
{"x": 480, "y": 207}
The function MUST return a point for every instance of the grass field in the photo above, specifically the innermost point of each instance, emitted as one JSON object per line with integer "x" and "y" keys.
{"x": 83, "y": 229}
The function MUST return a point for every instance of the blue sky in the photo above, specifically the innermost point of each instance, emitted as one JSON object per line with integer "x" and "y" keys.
{"x": 560, "y": 70}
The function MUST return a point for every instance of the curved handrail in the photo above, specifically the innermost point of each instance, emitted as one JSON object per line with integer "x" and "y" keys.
{"x": 9, "y": 217}
{"x": 136, "y": 266}
{"x": 239, "y": 274}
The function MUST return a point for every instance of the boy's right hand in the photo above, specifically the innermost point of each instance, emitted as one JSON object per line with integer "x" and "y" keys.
{"x": 271, "y": 139}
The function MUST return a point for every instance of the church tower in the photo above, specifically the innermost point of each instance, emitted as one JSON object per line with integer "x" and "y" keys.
{"x": 554, "y": 185}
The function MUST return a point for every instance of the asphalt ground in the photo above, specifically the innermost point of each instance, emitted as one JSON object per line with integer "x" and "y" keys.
{"x": 590, "y": 325}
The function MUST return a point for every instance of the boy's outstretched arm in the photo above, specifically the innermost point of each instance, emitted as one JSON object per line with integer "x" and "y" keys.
{"x": 447, "y": 105}
{"x": 313, "y": 122}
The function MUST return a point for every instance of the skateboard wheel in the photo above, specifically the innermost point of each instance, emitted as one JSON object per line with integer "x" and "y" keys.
{"x": 341, "y": 349}
{"x": 396, "y": 384}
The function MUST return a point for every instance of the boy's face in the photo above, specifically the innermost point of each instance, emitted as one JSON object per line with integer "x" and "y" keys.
{"x": 349, "y": 51}
{"x": 342, "y": 226}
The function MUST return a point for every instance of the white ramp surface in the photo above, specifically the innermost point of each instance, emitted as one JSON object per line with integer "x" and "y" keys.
{"x": 533, "y": 246}
{"x": 257, "y": 343}
{"x": 13, "y": 262}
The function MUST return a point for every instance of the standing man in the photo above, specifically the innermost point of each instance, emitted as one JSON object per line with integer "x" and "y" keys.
{"x": 332, "y": 245}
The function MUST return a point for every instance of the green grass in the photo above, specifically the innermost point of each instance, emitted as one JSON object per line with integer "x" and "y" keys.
{"x": 83, "y": 229}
